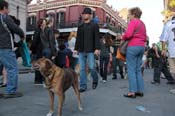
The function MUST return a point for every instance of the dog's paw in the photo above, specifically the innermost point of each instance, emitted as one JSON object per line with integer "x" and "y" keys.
{"x": 50, "y": 114}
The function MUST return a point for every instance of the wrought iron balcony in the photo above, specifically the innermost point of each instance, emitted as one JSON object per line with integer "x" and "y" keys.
{"x": 75, "y": 24}
{"x": 103, "y": 25}
{"x": 30, "y": 27}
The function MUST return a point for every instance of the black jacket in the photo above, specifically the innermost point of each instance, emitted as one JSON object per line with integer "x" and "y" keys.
{"x": 87, "y": 41}
{"x": 5, "y": 38}
{"x": 36, "y": 46}
{"x": 50, "y": 35}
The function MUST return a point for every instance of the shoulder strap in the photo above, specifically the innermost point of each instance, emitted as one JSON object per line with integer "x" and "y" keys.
{"x": 138, "y": 28}
{"x": 7, "y": 29}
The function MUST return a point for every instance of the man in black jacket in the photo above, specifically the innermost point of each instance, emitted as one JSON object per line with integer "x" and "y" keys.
{"x": 87, "y": 43}
{"x": 7, "y": 54}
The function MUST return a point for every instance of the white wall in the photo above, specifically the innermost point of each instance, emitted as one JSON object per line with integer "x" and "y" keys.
{"x": 22, "y": 11}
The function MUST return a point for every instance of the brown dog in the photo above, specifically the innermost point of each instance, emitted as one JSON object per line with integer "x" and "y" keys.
{"x": 57, "y": 81}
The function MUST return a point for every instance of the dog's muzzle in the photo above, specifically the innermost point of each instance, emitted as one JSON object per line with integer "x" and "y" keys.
{"x": 35, "y": 67}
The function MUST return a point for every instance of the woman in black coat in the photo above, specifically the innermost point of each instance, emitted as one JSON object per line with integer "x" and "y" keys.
{"x": 36, "y": 48}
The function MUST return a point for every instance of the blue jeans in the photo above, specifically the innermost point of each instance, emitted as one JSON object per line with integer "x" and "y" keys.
{"x": 8, "y": 59}
{"x": 83, "y": 57}
{"x": 134, "y": 60}
{"x": 47, "y": 53}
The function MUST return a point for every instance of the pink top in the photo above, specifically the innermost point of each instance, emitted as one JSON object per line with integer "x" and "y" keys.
{"x": 137, "y": 38}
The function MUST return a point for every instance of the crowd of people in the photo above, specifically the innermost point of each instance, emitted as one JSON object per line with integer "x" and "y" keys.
{"x": 92, "y": 52}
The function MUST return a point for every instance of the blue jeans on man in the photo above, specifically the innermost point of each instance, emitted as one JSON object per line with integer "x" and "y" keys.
{"x": 83, "y": 59}
{"x": 134, "y": 60}
{"x": 8, "y": 59}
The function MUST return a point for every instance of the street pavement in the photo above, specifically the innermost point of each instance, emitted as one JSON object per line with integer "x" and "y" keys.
{"x": 106, "y": 100}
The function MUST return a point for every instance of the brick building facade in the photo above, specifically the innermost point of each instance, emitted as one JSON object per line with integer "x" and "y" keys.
{"x": 67, "y": 15}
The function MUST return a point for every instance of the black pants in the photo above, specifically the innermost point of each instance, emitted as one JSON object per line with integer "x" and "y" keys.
{"x": 104, "y": 60}
{"x": 116, "y": 62}
{"x": 73, "y": 62}
{"x": 38, "y": 78}
{"x": 160, "y": 65}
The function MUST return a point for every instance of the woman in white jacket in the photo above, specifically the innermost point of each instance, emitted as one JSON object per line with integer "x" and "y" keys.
{"x": 71, "y": 45}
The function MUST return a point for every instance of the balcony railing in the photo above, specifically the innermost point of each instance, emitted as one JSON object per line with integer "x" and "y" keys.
{"x": 75, "y": 24}
{"x": 104, "y": 25}
{"x": 30, "y": 27}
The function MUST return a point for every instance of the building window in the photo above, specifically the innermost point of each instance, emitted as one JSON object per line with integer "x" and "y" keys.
{"x": 32, "y": 20}
{"x": 31, "y": 23}
{"x": 60, "y": 19}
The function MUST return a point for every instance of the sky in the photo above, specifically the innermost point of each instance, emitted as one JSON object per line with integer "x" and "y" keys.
{"x": 151, "y": 14}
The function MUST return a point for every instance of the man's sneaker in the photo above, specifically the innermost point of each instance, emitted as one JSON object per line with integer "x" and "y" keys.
{"x": 94, "y": 85}
{"x": 12, "y": 95}
{"x": 172, "y": 91}
{"x": 163, "y": 77}
{"x": 155, "y": 83}
{"x": 104, "y": 81}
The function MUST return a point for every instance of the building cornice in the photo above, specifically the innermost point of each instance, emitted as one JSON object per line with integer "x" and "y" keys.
{"x": 62, "y": 4}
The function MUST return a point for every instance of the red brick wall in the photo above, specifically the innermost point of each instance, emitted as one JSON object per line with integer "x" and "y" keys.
{"x": 101, "y": 14}
{"x": 67, "y": 18}
{"x": 41, "y": 14}
{"x": 73, "y": 13}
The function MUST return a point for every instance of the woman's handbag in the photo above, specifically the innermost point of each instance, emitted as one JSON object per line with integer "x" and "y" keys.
{"x": 25, "y": 53}
{"x": 120, "y": 56}
{"x": 123, "y": 47}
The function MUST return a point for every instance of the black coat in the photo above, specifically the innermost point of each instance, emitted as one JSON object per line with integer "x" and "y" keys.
{"x": 36, "y": 46}
{"x": 89, "y": 41}
{"x": 50, "y": 35}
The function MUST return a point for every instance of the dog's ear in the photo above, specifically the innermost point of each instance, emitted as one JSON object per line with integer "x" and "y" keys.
{"x": 48, "y": 64}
